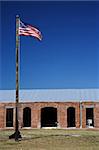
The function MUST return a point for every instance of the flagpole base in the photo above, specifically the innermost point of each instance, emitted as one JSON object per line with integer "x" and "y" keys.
{"x": 16, "y": 135}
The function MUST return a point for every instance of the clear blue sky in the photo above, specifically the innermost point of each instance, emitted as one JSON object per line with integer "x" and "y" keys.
{"x": 68, "y": 55}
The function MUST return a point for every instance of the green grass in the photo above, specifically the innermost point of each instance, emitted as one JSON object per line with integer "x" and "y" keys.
{"x": 52, "y": 139}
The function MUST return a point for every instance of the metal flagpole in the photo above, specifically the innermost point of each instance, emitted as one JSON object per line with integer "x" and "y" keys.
{"x": 17, "y": 135}
{"x": 37, "y": 34}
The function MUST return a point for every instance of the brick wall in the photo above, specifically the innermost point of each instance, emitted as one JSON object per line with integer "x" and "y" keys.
{"x": 61, "y": 113}
{"x": 96, "y": 117}
{"x": 2, "y": 113}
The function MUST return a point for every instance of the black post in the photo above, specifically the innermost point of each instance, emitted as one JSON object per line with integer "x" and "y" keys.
{"x": 17, "y": 78}
{"x": 17, "y": 135}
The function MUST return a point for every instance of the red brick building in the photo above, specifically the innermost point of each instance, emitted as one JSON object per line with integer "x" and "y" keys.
{"x": 57, "y": 108}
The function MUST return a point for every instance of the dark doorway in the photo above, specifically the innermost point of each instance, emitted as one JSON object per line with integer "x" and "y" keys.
{"x": 89, "y": 117}
{"x": 71, "y": 117}
{"x": 27, "y": 117}
{"x": 9, "y": 117}
{"x": 49, "y": 117}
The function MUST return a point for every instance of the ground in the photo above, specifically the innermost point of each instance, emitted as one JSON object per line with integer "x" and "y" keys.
{"x": 51, "y": 139}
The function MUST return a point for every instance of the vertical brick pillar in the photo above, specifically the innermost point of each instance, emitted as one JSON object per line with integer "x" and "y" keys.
{"x": 14, "y": 117}
{"x": 96, "y": 115}
{"x": 62, "y": 116}
{"x": 83, "y": 116}
{"x": 35, "y": 118}
{"x": 2, "y": 116}
{"x": 77, "y": 111}
{"x": 20, "y": 115}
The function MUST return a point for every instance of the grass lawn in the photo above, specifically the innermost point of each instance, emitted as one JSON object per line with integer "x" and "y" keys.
{"x": 51, "y": 139}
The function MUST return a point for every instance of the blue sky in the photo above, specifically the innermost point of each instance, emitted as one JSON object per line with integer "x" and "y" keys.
{"x": 68, "y": 55}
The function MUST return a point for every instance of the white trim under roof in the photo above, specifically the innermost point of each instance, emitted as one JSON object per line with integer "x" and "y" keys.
{"x": 51, "y": 95}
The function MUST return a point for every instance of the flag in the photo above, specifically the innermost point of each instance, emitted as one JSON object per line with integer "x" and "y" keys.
{"x": 28, "y": 30}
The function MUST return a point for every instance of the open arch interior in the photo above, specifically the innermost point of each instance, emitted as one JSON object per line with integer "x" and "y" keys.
{"x": 71, "y": 117}
{"x": 27, "y": 117}
{"x": 9, "y": 117}
{"x": 49, "y": 117}
{"x": 90, "y": 117}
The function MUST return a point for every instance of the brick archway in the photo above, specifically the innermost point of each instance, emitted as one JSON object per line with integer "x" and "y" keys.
{"x": 71, "y": 117}
{"x": 89, "y": 117}
{"x": 49, "y": 117}
{"x": 27, "y": 117}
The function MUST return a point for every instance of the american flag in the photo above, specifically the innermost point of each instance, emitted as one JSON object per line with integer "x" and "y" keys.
{"x": 28, "y": 30}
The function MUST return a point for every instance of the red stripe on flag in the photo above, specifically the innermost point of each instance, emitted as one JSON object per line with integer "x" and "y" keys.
{"x": 28, "y": 30}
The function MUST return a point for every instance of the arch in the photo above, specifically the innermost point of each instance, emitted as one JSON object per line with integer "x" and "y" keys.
{"x": 27, "y": 117}
{"x": 71, "y": 117}
{"x": 49, "y": 117}
{"x": 89, "y": 117}
{"x": 9, "y": 117}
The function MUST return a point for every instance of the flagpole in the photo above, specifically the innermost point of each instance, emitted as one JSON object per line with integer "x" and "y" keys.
{"x": 17, "y": 135}
{"x": 17, "y": 78}
{"x": 36, "y": 33}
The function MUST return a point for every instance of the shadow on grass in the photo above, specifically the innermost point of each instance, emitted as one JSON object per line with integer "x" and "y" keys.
{"x": 41, "y": 136}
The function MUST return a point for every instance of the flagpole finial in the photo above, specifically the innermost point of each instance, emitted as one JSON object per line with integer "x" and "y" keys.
{"x": 17, "y": 16}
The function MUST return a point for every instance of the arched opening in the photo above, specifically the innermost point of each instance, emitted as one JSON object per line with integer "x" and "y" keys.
{"x": 49, "y": 117}
{"x": 9, "y": 117}
{"x": 27, "y": 117}
{"x": 71, "y": 117}
{"x": 90, "y": 117}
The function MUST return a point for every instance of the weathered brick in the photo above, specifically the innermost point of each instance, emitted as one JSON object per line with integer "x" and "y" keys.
{"x": 61, "y": 113}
